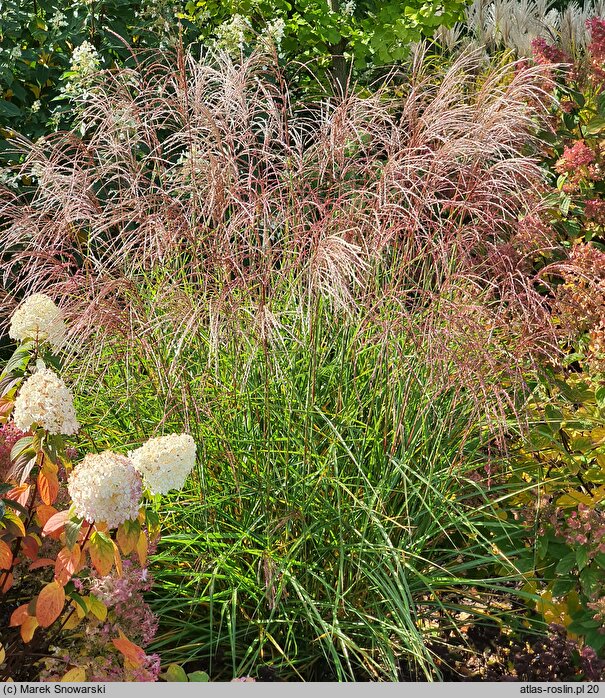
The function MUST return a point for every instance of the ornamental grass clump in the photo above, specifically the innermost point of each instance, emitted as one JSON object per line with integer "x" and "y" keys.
{"x": 79, "y": 521}
{"x": 336, "y": 300}
{"x": 402, "y": 207}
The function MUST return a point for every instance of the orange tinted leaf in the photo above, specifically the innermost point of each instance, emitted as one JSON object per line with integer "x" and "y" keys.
{"x": 133, "y": 653}
{"x": 28, "y": 628}
{"x": 19, "y": 494}
{"x": 6, "y": 405}
{"x": 50, "y": 467}
{"x": 6, "y": 556}
{"x": 19, "y": 615}
{"x": 50, "y": 604}
{"x": 30, "y": 547}
{"x": 67, "y": 564}
{"x": 44, "y": 512}
{"x": 142, "y": 548}
{"x": 82, "y": 564}
{"x": 48, "y": 485}
{"x": 55, "y": 525}
{"x": 101, "y": 550}
{"x": 6, "y": 581}
{"x": 42, "y": 562}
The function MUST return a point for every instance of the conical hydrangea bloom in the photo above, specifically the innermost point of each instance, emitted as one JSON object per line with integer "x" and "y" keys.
{"x": 45, "y": 401}
{"x": 165, "y": 462}
{"x": 38, "y": 318}
{"x": 105, "y": 487}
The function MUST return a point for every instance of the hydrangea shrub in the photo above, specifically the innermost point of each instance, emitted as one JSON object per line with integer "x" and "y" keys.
{"x": 78, "y": 537}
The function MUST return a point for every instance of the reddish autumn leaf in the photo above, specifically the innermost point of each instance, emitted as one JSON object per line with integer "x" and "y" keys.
{"x": 19, "y": 615}
{"x": 6, "y": 556}
{"x": 19, "y": 494}
{"x": 28, "y": 628}
{"x": 67, "y": 564}
{"x": 42, "y": 562}
{"x": 44, "y": 513}
{"x": 50, "y": 604}
{"x": 30, "y": 547}
{"x": 133, "y": 653}
{"x": 48, "y": 485}
{"x": 6, "y": 581}
{"x": 54, "y": 527}
{"x": 6, "y": 406}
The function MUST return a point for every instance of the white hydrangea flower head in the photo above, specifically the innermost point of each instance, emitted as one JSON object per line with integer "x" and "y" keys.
{"x": 85, "y": 59}
{"x": 38, "y": 318}
{"x": 232, "y": 36}
{"x": 165, "y": 461}
{"x": 105, "y": 487}
{"x": 45, "y": 401}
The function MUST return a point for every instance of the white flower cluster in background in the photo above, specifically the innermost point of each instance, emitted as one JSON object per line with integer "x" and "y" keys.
{"x": 58, "y": 21}
{"x": 348, "y": 7}
{"x": 160, "y": 15}
{"x": 233, "y": 35}
{"x": 45, "y": 401}
{"x": 165, "y": 462}
{"x": 274, "y": 33}
{"x": 105, "y": 487}
{"x": 8, "y": 178}
{"x": 84, "y": 63}
{"x": 84, "y": 59}
{"x": 38, "y": 318}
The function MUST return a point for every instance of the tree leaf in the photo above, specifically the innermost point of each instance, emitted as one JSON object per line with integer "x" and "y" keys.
{"x": 55, "y": 526}
{"x": 44, "y": 512}
{"x": 42, "y": 562}
{"x": 142, "y": 548}
{"x": 133, "y": 653}
{"x": 20, "y": 446}
{"x": 175, "y": 673}
{"x": 67, "y": 564}
{"x": 6, "y": 556}
{"x": 16, "y": 526}
{"x": 7, "y": 582}
{"x": 566, "y": 564}
{"x": 101, "y": 549}
{"x": 29, "y": 628}
{"x": 48, "y": 485}
{"x": 30, "y": 547}
{"x": 198, "y": 677}
{"x": 49, "y": 606}
{"x": 128, "y": 536}
{"x": 75, "y": 675}
{"x": 97, "y": 607}
{"x": 19, "y": 615}
{"x": 72, "y": 532}
{"x": 19, "y": 494}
